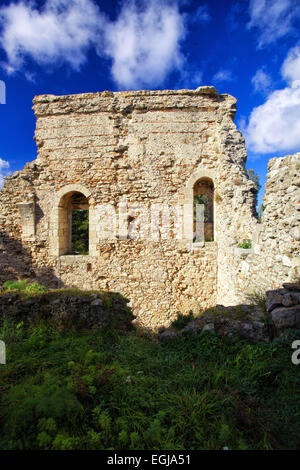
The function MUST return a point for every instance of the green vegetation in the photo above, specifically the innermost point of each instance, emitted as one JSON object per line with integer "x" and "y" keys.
{"x": 245, "y": 244}
{"x": 182, "y": 320}
{"x": 257, "y": 297}
{"x": 107, "y": 389}
{"x": 254, "y": 177}
{"x": 24, "y": 287}
{"x": 80, "y": 232}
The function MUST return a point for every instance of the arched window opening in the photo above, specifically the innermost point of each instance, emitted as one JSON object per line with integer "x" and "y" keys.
{"x": 74, "y": 224}
{"x": 204, "y": 195}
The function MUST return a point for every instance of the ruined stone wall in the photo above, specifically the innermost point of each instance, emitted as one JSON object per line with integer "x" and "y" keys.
{"x": 149, "y": 147}
{"x": 275, "y": 255}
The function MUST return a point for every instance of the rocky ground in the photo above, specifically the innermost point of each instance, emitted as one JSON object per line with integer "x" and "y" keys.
{"x": 255, "y": 322}
{"x": 69, "y": 308}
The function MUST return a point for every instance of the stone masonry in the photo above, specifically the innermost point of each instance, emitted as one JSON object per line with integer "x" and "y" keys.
{"x": 275, "y": 255}
{"x": 151, "y": 150}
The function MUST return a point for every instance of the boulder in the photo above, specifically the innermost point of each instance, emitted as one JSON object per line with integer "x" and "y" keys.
{"x": 286, "y": 317}
{"x": 274, "y": 298}
{"x": 209, "y": 327}
{"x": 192, "y": 327}
{"x": 167, "y": 335}
{"x": 292, "y": 286}
{"x": 288, "y": 300}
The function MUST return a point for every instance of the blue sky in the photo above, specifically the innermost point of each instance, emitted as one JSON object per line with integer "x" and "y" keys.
{"x": 248, "y": 48}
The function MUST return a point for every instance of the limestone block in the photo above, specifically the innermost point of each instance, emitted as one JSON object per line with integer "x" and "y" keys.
{"x": 286, "y": 260}
{"x": 242, "y": 252}
{"x": 286, "y": 317}
{"x": 27, "y": 212}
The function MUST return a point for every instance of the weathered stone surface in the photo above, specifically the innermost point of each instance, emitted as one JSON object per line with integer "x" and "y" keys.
{"x": 151, "y": 147}
{"x": 66, "y": 310}
{"x": 286, "y": 317}
{"x": 288, "y": 300}
{"x": 192, "y": 327}
{"x": 284, "y": 305}
{"x": 167, "y": 335}
{"x": 229, "y": 322}
{"x": 292, "y": 286}
{"x": 274, "y": 299}
{"x": 209, "y": 327}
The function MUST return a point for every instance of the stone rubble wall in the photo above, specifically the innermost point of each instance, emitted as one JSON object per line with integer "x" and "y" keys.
{"x": 275, "y": 255}
{"x": 284, "y": 306}
{"x": 159, "y": 279}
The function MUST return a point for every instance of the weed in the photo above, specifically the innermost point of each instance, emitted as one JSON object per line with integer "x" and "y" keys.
{"x": 182, "y": 320}
{"x": 257, "y": 297}
{"x": 247, "y": 244}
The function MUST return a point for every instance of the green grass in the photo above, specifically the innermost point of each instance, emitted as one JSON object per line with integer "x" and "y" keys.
{"x": 24, "y": 287}
{"x": 107, "y": 390}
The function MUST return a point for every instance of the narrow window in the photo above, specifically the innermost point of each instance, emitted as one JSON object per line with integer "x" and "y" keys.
{"x": 74, "y": 224}
{"x": 204, "y": 195}
{"x": 80, "y": 232}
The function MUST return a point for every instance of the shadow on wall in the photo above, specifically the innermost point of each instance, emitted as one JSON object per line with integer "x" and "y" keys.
{"x": 39, "y": 214}
{"x": 16, "y": 263}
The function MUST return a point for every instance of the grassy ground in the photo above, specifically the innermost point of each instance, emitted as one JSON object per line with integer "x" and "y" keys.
{"x": 110, "y": 390}
{"x": 68, "y": 388}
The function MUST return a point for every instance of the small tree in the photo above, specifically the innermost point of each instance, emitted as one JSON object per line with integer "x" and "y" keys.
{"x": 254, "y": 177}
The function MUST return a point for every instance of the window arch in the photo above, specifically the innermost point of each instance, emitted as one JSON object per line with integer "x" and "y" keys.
{"x": 203, "y": 193}
{"x": 72, "y": 224}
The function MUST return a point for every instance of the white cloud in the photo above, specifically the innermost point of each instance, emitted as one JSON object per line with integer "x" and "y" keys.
{"x": 273, "y": 19}
{"x": 261, "y": 81}
{"x": 61, "y": 31}
{"x": 223, "y": 75}
{"x": 4, "y": 170}
{"x": 144, "y": 44}
{"x": 275, "y": 125}
{"x": 291, "y": 66}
